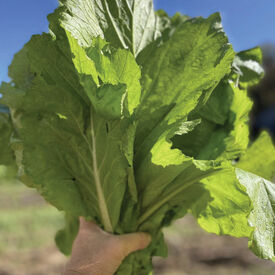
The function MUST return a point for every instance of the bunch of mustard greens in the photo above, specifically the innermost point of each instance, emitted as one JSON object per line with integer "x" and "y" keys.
{"x": 132, "y": 119}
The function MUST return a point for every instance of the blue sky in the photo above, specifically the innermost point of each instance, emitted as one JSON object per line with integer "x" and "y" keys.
{"x": 247, "y": 22}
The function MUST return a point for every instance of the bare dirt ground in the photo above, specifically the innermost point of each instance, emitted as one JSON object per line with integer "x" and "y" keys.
{"x": 37, "y": 262}
{"x": 195, "y": 252}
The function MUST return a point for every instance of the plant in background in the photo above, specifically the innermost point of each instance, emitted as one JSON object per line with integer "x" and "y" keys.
{"x": 131, "y": 119}
{"x": 6, "y": 157}
{"x": 7, "y": 160}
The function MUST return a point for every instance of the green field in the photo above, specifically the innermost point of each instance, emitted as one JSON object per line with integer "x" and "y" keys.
{"x": 26, "y": 221}
{"x": 27, "y": 229}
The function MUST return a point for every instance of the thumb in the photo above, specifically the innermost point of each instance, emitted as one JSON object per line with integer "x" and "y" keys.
{"x": 134, "y": 241}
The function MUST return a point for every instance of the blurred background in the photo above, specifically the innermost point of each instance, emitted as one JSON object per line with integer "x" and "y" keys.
{"x": 28, "y": 224}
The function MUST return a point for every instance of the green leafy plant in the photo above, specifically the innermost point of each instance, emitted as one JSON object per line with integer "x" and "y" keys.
{"x": 132, "y": 119}
{"x": 6, "y": 157}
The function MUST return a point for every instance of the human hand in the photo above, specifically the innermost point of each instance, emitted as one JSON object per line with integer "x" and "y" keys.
{"x": 96, "y": 252}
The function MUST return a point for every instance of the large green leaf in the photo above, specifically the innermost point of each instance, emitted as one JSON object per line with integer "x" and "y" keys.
{"x": 259, "y": 161}
{"x": 227, "y": 211}
{"x": 223, "y": 131}
{"x": 163, "y": 167}
{"x": 181, "y": 72}
{"x": 114, "y": 70}
{"x": 67, "y": 134}
{"x": 242, "y": 203}
{"x": 247, "y": 69}
{"x": 262, "y": 218}
{"x": 128, "y": 24}
{"x": 64, "y": 238}
{"x": 260, "y": 157}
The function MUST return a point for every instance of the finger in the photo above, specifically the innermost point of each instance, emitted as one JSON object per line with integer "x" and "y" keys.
{"x": 87, "y": 225}
{"x": 134, "y": 241}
